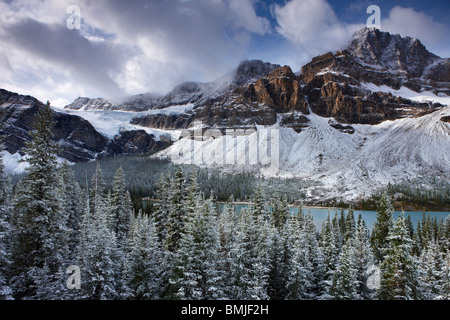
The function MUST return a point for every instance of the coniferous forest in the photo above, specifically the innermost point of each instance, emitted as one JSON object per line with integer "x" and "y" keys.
{"x": 185, "y": 248}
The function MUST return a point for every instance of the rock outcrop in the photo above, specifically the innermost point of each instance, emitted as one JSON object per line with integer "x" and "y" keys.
{"x": 79, "y": 140}
{"x": 352, "y": 86}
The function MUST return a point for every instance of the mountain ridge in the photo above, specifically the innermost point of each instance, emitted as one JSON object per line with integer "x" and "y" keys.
{"x": 342, "y": 109}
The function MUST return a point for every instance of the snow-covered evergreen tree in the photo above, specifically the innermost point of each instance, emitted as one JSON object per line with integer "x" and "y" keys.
{"x": 145, "y": 261}
{"x": 350, "y": 225}
{"x": 39, "y": 247}
{"x": 69, "y": 195}
{"x": 259, "y": 207}
{"x": 330, "y": 253}
{"x": 227, "y": 246}
{"x": 98, "y": 256}
{"x": 382, "y": 227}
{"x": 259, "y": 288}
{"x": 446, "y": 277}
{"x": 177, "y": 214}
{"x": 198, "y": 273}
{"x": 5, "y": 240}
{"x": 122, "y": 210}
{"x": 344, "y": 283}
{"x": 280, "y": 213}
{"x": 363, "y": 259}
{"x": 162, "y": 207}
{"x": 399, "y": 276}
{"x": 315, "y": 255}
{"x": 299, "y": 268}
{"x": 279, "y": 257}
{"x": 97, "y": 189}
{"x": 250, "y": 257}
{"x": 432, "y": 272}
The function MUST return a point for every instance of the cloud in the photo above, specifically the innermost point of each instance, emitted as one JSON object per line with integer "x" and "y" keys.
{"x": 313, "y": 26}
{"x": 89, "y": 62}
{"x": 124, "y": 46}
{"x": 408, "y": 22}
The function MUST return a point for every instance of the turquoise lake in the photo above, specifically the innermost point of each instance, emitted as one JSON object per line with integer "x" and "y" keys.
{"x": 321, "y": 214}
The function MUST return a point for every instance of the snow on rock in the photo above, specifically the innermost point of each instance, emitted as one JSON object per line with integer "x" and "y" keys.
{"x": 424, "y": 96}
{"x": 110, "y": 123}
{"x": 347, "y": 166}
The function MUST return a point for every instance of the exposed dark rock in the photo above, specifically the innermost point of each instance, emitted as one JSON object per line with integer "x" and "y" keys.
{"x": 342, "y": 128}
{"x": 136, "y": 142}
{"x": 295, "y": 121}
{"x": 162, "y": 121}
{"x": 78, "y": 139}
{"x": 249, "y": 71}
{"x": 446, "y": 119}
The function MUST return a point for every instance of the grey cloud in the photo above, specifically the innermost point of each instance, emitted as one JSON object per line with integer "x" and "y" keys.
{"x": 205, "y": 34}
{"x": 93, "y": 63}
{"x": 147, "y": 45}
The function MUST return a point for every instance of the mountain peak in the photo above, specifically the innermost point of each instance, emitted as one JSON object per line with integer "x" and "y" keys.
{"x": 252, "y": 70}
{"x": 391, "y": 51}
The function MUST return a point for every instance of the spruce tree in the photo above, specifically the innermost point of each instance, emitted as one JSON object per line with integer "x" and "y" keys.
{"x": 446, "y": 277}
{"x": 145, "y": 261}
{"x": 97, "y": 189}
{"x": 259, "y": 288}
{"x": 382, "y": 227}
{"x": 98, "y": 256}
{"x": 279, "y": 257}
{"x": 198, "y": 274}
{"x": 399, "y": 276}
{"x": 259, "y": 208}
{"x": 227, "y": 246}
{"x": 122, "y": 209}
{"x": 315, "y": 256}
{"x": 39, "y": 251}
{"x": 350, "y": 225}
{"x": 176, "y": 214}
{"x": 299, "y": 269}
{"x": 363, "y": 259}
{"x": 344, "y": 283}
{"x": 69, "y": 195}
{"x": 5, "y": 232}
{"x": 162, "y": 207}
{"x": 330, "y": 254}
{"x": 280, "y": 213}
{"x": 432, "y": 272}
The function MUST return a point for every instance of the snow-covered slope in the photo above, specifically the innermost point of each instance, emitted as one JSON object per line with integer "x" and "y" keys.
{"x": 346, "y": 166}
{"x": 110, "y": 123}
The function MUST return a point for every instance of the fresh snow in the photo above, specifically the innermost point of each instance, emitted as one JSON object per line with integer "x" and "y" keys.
{"x": 424, "y": 96}
{"x": 346, "y": 165}
{"x": 13, "y": 164}
{"x": 110, "y": 123}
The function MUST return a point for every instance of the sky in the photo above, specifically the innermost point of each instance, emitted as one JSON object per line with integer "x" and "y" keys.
{"x": 123, "y": 48}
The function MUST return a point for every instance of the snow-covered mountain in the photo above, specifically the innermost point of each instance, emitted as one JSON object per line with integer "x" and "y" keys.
{"x": 79, "y": 140}
{"x": 185, "y": 93}
{"x": 352, "y": 120}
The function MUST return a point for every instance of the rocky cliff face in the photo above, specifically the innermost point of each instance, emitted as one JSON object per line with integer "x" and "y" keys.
{"x": 134, "y": 142}
{"x": 78, "y": 139}
{"x": 353, "y": 86}
{"x": 331, "y": 85}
